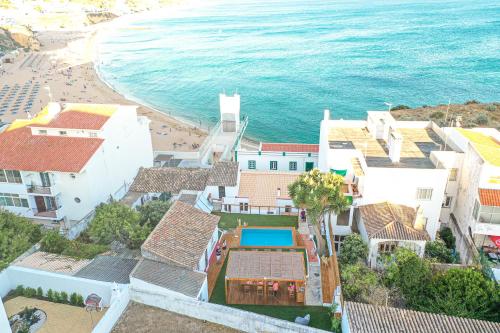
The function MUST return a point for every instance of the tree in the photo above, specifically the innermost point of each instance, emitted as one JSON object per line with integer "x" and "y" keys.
{"x": 117, "y": 222}
{"x": 354, "y": 249}
{"x": 447, "y": 236}
{"x": 410, "y": 274}
{"x": 152, "y": 212}
{"x": 53, "y": 242}
{"x": 319, "y": 193}
{"x": 438, "y": 251}
{"x": 357, "y": 281}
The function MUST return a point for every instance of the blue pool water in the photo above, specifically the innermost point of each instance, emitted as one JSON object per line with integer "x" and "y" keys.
{"x": 266, "y": 237}
{"x": 290, "y": 59}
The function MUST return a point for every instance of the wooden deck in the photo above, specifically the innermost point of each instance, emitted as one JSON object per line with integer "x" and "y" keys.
{"x": 214, "y": 268}
{"x": 330, "y": 274}
{"x": 238, "y": 293}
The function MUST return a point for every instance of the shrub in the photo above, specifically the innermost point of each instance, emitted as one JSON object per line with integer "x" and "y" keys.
{"x": 57, "y": 297}
{"x": 357, "y": 281}
{"x": 472, "y": 101}
{"x": 353, "y": 250}
{"x": 53, "y": 242}
{"x": 447, "y": 236}
{"x": 438, "y": 251}
{"x": 437, "y": 115}
{"x": 400, "y": 107}
{"x": 50, "y": 295}
{"x": 152, "y": 212}
{"x": 482, "y": 119}
{"x": 73, "y": 299}
{"x": 63, "y": 297}
{"x": 39, "y": 292}
{"x": 83, "y": 251}
{"x": 19, "y": 291}
{"x": 79, "y": 300}
{"x": 29, "y": 292}
{"x": 491, "y": 107}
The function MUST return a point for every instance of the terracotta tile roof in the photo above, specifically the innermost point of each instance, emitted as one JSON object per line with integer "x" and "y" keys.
{"x": 52, "y": 263}
{"x": 181, "y": 236}
{"x": 390, "y": 221}
{"x": 261, "y": 188}
{"x": 173, "y": 180}
{"x": 223, "y": 174}
{"x": 489, "y": 197}
{"x": 20, "y": 150}
{"x": 367, "y": 318}
{"x": 290, "y": 147}
{"x": 77, "y": 120}
{"x": 172, "y": 277}
{"x": 265, "y": 264}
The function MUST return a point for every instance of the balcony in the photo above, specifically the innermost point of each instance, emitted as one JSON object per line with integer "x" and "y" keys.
{"x": 53, "y": 214}
{"x": 41, "y": 190}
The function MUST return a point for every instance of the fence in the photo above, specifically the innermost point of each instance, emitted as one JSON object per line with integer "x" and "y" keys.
{"x": 245, "y": 208}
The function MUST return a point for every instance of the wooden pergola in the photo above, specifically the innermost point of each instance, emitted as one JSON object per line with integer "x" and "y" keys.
{"x": 251, "y": 275}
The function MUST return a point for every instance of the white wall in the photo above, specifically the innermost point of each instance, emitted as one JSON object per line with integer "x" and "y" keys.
{"x": 263, "y": 160}
{"x": 113, "y": 313}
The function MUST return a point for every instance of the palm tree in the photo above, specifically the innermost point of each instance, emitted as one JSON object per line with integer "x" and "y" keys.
{"x": 319, "y": 193}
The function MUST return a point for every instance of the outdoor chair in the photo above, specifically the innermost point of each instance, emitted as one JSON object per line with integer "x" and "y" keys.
{"x": 260, "y": 291}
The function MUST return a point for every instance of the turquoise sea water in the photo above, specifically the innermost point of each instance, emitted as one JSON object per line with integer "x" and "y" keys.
{"x": 291, "y": 59}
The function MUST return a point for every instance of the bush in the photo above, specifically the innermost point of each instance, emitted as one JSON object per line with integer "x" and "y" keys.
{"x": 152, "y": 212}
{"x": 17, "y": 234}
{"x": 482, "y": 119}
{"x": 83, "y": 251}
{"x": 79, "y": 300}
{"x": 50, "y": 295}
{"x": 438, "y": 251}
{"x": 53, "y": 242}
{"x": 437, "y": 115}
{"x": 29, "y": 292}
{"x": 39, "y": 292}
{"x": 353, "y": 250}
{"x": 400, "y": 107}
{"x": 491, "y": 107}
{"x": 64, "y": 297}
{"x": 73, "y": 299}
{"x": 472, "y": 101}
{"x": 19, "y": 291}
{"x": 357, "y": 281}
{"x": 447, "y": 236}
{"x": 117, "y": 222}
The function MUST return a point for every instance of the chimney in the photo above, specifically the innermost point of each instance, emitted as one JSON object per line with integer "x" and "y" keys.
{"x": 326, "y": 114}
{"x": 395, "y": 143}
{"x": 53, "y": 109}
{"x": 279, "y": 193}
{"x": 420, "y": 220}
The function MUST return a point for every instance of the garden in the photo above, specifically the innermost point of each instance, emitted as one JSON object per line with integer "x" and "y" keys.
{"x": 230, "y": 221}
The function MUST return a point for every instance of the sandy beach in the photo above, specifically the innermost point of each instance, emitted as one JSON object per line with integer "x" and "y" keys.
{"x": 63, "y": 71}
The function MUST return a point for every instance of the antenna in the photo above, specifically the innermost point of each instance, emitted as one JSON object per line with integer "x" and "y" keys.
{"x": 389, "y": 105}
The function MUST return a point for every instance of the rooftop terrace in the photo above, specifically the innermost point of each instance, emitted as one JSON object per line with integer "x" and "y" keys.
{"x": 417, "y": 145}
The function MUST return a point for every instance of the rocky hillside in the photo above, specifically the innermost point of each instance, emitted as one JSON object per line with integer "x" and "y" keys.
{"x": 472, "y": 113}
{"x": 18, "y": 36}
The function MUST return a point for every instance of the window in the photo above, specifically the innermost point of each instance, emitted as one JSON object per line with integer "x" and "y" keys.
{"x": 293, "y": 166}
{"x": 44, "y": 176}
{"x": 337, "y": 242}
{"x": 447, "y": 202}
{"x": 288, "y": 209}
{"x": 453, "y": 175}
{"x": 222, "y": 192}
{"x": 387, "y": 247}
{"x": 63, "y": 133}
{"x": 42, "y": 132}
{"x": 475, "y": 212}
{"x": 12, "y": 200}
{"x": 273, "y": 165}
{"x": 251, "y": 164}
{"x": 10, "y": 176}
{"x": 309, "y": 166}
{"x": 424, "y": 193}
{"x": 243, "y": 206}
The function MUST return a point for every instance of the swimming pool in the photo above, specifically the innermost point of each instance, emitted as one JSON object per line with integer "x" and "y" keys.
{"x": 266, "y": 237}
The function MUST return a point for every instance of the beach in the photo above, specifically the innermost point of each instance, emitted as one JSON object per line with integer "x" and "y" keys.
{"x": 64, "y": 71}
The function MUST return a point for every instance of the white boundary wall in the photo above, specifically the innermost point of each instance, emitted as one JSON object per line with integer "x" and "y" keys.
{"x": 223, "y": 315}
{"x": 114, "y": 312}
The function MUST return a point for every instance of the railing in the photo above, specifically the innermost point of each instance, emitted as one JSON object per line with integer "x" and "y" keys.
{"x": 258, "y": 210}
{"x": 37, "y": 189}
{"x": 51, "y": 214}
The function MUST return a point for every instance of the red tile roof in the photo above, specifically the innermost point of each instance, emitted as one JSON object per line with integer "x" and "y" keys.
{"x": 77, "y": 120}
{"x": 290, "y": 147}
{"x": 489, "y": 197}
{"x": 20, "y": 150}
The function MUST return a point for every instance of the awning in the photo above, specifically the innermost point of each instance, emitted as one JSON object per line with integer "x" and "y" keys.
{"x": 339, "y": 172}
{"x": 496, "y": 240}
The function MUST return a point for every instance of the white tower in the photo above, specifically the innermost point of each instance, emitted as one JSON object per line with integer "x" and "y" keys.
{"x": 230, "y": 113}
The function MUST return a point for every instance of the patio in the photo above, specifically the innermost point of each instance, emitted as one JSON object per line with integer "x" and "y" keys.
{"x": 265, "y": 277}
{"x": 60, "y": 317}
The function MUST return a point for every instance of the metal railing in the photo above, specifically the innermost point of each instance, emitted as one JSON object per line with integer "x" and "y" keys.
{"x": 38, "y": 189}
{"x": 258, "y": 210}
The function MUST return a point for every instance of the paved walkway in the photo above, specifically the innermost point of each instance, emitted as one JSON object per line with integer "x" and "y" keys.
{"x": 60, "y": 317}
{"x": 140, "y": 318}
{"x": 313, "y": 287}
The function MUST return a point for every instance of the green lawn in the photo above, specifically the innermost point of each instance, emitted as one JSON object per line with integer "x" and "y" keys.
{"x": 230, "y": 221}
{"x": 320, "y": 317}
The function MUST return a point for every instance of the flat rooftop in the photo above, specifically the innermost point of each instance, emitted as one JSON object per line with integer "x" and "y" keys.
{"x": 418, "y": 143}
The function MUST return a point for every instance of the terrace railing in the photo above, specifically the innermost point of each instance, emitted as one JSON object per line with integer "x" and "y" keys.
{"x": 258, "y": 210}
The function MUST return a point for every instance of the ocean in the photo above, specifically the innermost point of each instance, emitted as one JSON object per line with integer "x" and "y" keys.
{"x": 289, "y": 59}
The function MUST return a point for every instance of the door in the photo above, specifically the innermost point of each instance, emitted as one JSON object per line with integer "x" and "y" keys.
{"x": 40, "y": 204}
{"x": 44, "y": 176}
{"x": 222, "y": 192}
{"x": 309, "y": 166}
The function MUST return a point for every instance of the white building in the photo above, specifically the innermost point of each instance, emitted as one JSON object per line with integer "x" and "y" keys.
{"x": 177, "y": 253}
{"x": 61, "y": 164}
{"x": 474, "y": 214}
{"x": 279, "y": 157}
